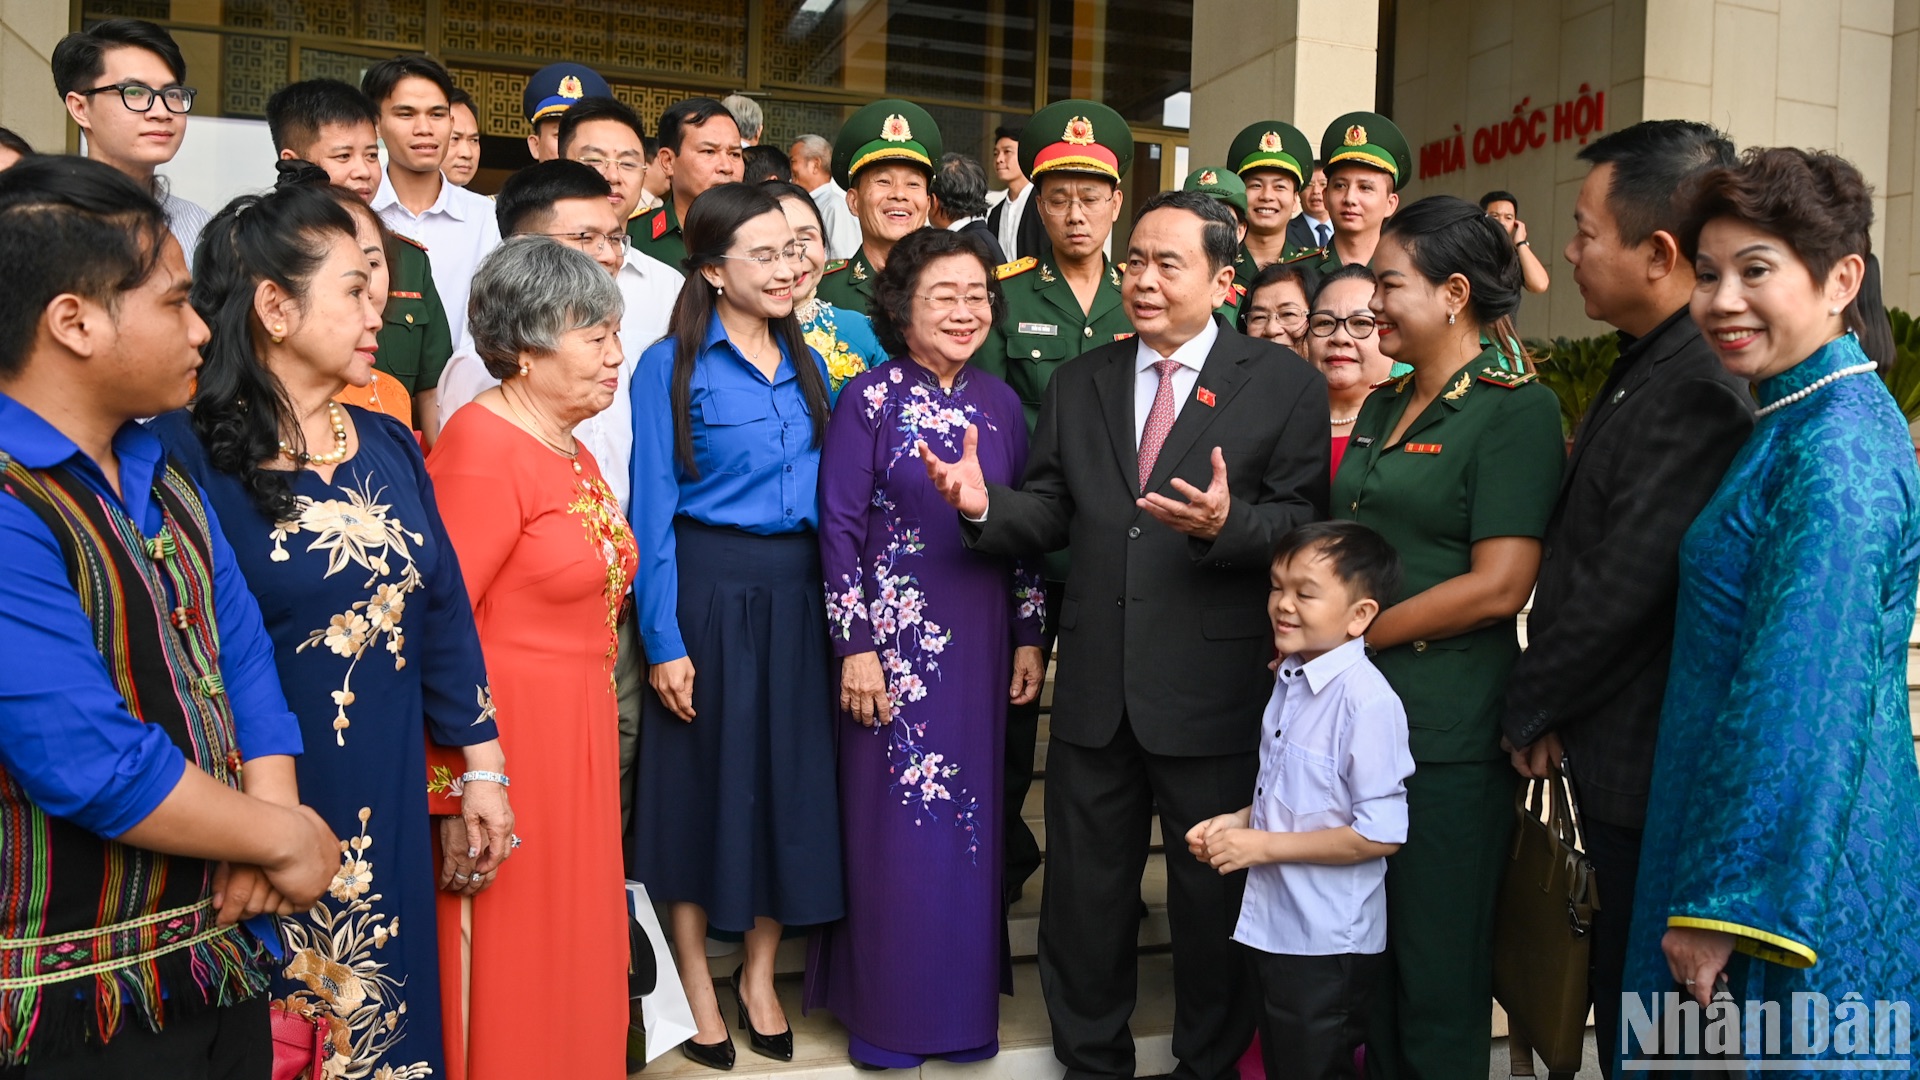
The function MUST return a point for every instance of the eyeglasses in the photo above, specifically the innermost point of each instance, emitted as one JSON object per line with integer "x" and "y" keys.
{"x": 1058, "y": 205}
{"x": 591, "y": 239}
{"x": 139, "y": 97}
{"x": 793, "y": 253}
{"x": 1358, "y": 326}
{"x": 1289, "y": 319}
{"x": 631, "y": 168}
{"x": 945, "y": 302}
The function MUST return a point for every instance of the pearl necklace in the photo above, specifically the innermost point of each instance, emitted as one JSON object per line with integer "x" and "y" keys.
{"x": 1857, "y": 369}
{"x": 334, "y": 457}
{"x": 1345, "y": 420}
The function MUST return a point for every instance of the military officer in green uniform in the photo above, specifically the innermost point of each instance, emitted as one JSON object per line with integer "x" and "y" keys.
{"x": 1367, "y": 166}
{"x": 1057, "y": 307}
{"x": 415, "y": 338}
{"x": 699, "y": 148}
{"x": 1273, "y": 159}
{"x": 884, "y": 157}
{"x": 1223, "y": 185}
{"x": 1457, "y": 464}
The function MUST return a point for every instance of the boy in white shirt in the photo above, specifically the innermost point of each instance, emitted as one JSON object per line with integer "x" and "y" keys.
{"x": 1330, "y": 804}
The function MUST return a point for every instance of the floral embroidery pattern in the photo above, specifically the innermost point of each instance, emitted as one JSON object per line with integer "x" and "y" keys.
{"x": 908, "y": 643}
{"x": 842, "y": 363}
{"x": 608, "y": 532}
{"x": 334, "y": 949}
{"x": 357, "y": 532}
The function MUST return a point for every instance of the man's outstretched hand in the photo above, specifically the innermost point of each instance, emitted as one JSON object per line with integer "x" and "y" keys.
{"x": 1204, "y": 513}
{"x": 961, "y": 482}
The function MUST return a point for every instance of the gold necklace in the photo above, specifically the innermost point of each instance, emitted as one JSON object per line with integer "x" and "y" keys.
{"x": 533, "y": 429}
{"x": 338, "y": 418}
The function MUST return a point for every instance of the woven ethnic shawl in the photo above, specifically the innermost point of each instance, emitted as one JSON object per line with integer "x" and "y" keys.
{"x": 95, "y": 934}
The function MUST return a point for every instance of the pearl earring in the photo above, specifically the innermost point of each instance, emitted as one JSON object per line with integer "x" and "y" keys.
{"x": 525, "y": 369}
{"x": 719, "y": 290}
{"x": 1833, "y": 311}
{"x": 1449, "y": 318}
{"x": 279, "y": 333}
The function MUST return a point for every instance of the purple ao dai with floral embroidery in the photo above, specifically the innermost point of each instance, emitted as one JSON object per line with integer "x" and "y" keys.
{"x": 920, "y": 793}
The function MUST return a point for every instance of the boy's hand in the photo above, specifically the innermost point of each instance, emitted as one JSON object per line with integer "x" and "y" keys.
{"x": 1236, "y": 848}
{"x": 1197, "y": 837}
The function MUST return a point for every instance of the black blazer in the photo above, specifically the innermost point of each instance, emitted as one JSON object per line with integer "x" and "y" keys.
{"x": 1165, "y": 630}
{"x": 981, "y": 234}
{"x": 1300, "y": 233}
{"x": 1648, "y": 455}
{"x": 1032, "y": 237}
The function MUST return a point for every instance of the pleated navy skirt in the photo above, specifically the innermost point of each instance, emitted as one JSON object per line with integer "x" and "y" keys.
{"x": 738, "y": 811}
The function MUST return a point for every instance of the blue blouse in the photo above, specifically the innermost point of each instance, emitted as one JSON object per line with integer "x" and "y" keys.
{"x": 65, "y": 732}
{"x": 759, "y": 465}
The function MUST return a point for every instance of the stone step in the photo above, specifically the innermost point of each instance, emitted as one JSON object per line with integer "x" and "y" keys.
{"x": 1026, "y": 1046}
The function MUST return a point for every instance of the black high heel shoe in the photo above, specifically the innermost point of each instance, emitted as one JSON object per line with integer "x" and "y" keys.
{"x": 714, "y": 1056}
{"x": 779, "y": 1047}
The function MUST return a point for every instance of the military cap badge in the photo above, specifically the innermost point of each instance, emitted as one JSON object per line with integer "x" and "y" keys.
{"x": 1356, "y": 135}
{"x": 896, "y": 129}
{"x": 570, "y": 87}
{"x": 1270, "y": 142}
{"x": 1079, "y": 132}
{"x": 1209, "y": 178}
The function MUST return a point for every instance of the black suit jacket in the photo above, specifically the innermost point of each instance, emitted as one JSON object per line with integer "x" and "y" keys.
{"x": 1300, "y": 233}
{"x": 1647, "y": 457}
{"x": 1032, "y": 237}
{"x": 981, "y": 234}
{"x": 1157, "y": 627}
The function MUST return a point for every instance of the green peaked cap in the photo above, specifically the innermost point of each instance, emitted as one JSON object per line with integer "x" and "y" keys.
{"x": 1076, "y": 136}
{"x": 1220, "y": 183}
{"x": 888, "y": 131}
{"x": 1271, "y": 144}
{"x": 1367, "y": 138}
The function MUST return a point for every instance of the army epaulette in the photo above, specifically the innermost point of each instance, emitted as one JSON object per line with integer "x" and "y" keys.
{"x": 1014, "y": 268}
{"x": 660, "y": 223}
{"x": 410, "y": 240}
{"x": 1316, "y": 253}
{"x": 1239, "y": 292}
{"x": 1508, "y": 379}
{"x": 834, "y": 267}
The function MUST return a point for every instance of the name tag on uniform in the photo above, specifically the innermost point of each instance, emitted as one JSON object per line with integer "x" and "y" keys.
{"x": 1363, "y": 441}
{"x": 1423, "y": 448}
{"x": 1043, "y": 329}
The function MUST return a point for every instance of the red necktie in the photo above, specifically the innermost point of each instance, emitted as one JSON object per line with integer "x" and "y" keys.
{"x": 1159, "y": 420}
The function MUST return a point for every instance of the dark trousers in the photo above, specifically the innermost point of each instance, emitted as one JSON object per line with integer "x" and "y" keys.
{"x": 1615, "y": 851}
{"x": 228, "y": 1043}
{"x": 1431, "y": 1018}
{"x": 1313, "y": 1012}
{"x": 1100, "y": 806}
{"x": 1023, "y": 732}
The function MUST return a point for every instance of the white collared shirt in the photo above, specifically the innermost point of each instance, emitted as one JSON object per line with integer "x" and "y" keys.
{"x": 1010, "y": 221}
{"x": 842, "y": 228}
{"x": 649, "y": 289}
{"x": 185, "y": 220}
{"x": 1333, "y": 753}
{"x": 1146, "y": 381}
{"x": 458, "y": 231}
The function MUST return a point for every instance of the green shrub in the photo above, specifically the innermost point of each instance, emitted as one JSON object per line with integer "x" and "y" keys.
{"x": 1574, "y": 369}
{"x": 1904, "y": 379}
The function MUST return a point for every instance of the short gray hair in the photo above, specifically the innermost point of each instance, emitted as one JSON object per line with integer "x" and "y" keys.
{"x": 815, "y": 148}
{"x": 528, "y": 293}
{"x": 747, "y": 114}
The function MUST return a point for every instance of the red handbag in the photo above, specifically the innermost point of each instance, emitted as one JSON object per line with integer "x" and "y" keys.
{"x": 299, "y": 1045}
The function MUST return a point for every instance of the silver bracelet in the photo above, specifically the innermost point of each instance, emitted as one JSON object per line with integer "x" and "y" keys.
{"x": 480, "y": 774}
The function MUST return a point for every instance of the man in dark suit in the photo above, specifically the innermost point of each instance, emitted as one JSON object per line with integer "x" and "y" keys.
{"x": 959, "y": 190}
{"x": 1171, "y": 462}
{"x": 1648, "y": 455}
{"x": 1301, "y": 234}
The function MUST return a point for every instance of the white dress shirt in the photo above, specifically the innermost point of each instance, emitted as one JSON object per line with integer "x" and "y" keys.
{"x": 1010, "y": 221}
{"x": 842, "y": 228}
{"x": 185, "y": 220}
{"x": 649, "y": 289}
{"x": 458, "y": 231}
{"x": 1146, "y": 381}
{"x": 1333, "y": 753}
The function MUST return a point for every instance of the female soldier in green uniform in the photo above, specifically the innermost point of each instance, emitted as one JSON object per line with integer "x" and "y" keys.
{"x": 415, "y": 339}
{"x": 1457, "y": 464}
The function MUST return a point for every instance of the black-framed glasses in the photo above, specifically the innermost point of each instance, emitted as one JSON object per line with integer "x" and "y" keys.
{"x": 1358, "y": 326}
{"x": 591, "y": 239}
{"x": 139, "y": 97}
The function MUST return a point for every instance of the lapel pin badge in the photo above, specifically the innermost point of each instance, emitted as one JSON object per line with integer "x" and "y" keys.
{"x": 1205, "y": 396}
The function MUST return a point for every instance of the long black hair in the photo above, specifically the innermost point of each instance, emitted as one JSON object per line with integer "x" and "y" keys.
{"x": 241, "y": 408}
{"x": 1446, "y": 235}
{"x": 712, "y": 223}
